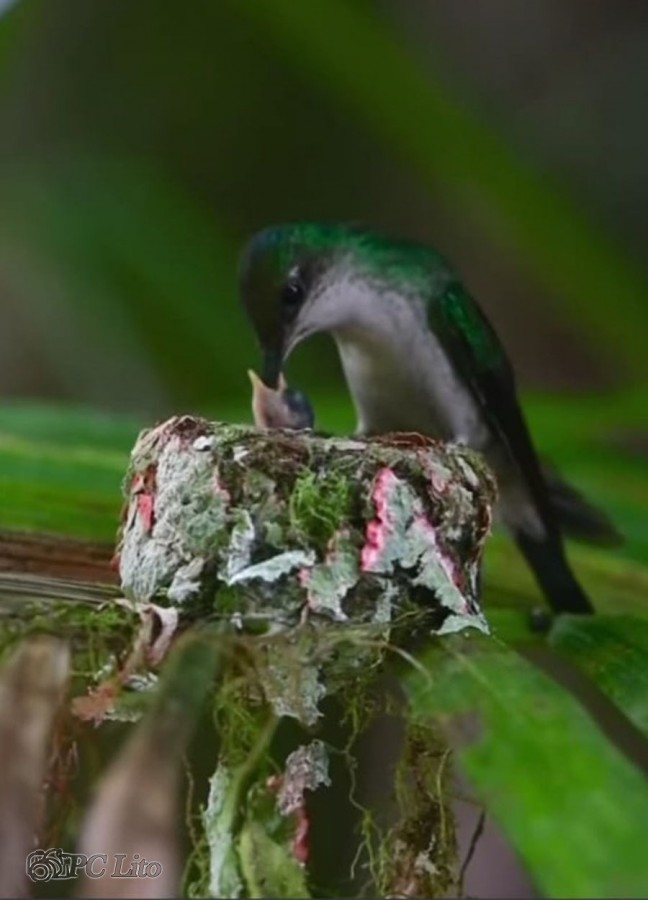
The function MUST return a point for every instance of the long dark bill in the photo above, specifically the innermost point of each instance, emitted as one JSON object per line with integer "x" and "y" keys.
{"x": 271, "y": 368}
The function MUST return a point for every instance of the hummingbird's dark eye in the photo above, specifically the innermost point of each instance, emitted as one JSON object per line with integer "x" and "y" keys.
{"x": 293, "y": 294}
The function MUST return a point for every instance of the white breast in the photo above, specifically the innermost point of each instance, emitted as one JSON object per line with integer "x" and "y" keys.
{"x": 401, "y": 380}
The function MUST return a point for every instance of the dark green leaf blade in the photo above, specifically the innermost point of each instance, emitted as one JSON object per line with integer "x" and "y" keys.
{"x": 61, "y": 470}
{"x": 613, "y": 651}
{"x": 571, "y": 804}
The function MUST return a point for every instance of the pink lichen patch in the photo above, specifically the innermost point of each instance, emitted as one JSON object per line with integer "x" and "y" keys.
{"x": 296, "y": 809}
{"x": 306, "y": 770}
{"x": 378, "y": 529}
{"x": 145, "y": 510}
{"x": 373, "y": 546}
{"x": 300, "y": 845}
{"x": 143, "y": 488}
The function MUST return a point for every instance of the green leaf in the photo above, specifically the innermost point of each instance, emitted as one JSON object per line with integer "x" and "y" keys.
{"x": 613, "y": 651}
{"x": 570, "y": 803}
{"x": 61, "y": 470}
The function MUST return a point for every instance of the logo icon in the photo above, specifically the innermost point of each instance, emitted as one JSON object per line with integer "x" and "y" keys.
{"x": 44, "y": 865}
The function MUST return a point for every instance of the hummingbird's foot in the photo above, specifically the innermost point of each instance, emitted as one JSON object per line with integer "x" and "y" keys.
{"x": 540, "y": 620}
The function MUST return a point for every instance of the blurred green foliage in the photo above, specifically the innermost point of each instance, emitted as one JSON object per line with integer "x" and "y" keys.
{"x": 144, "y": 144}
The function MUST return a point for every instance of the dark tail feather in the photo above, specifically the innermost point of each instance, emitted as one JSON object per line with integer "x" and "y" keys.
{"x": 547, "y": 560}
{"x": 575, "y": 515}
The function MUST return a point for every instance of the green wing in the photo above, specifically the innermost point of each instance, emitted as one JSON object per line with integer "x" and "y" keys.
{"x": 480, "y": 361}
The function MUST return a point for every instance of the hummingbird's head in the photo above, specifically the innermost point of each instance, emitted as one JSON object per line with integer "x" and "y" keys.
{"x": 280, "y": 275}
{"x": 300, "y": 279}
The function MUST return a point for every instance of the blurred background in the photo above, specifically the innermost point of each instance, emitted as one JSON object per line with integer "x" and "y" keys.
{"x": 143, "y": 142}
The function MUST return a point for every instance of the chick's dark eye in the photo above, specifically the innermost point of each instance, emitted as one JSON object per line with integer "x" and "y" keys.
{"x": 292, "y": 295}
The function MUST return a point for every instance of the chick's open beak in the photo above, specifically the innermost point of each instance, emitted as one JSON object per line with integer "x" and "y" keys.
{"x": 281, "y": 407}
{"x": 267, "y": 403}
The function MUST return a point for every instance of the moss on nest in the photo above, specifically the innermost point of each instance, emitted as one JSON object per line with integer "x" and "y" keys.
{"x": 318, "y": 503}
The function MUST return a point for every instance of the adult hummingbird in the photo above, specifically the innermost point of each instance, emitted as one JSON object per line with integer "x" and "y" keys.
{"x": 418, "y": 354}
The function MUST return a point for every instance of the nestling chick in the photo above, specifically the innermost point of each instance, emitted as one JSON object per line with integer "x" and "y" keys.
{"x": 282, "y": 407}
